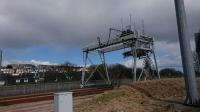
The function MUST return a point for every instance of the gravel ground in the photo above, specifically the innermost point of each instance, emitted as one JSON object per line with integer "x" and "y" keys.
{"x": 43, "y": 106}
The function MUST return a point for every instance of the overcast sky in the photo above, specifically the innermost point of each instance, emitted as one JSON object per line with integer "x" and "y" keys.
{"x": 55, "y": 31}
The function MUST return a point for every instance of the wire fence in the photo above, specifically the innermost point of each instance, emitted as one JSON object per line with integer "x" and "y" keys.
{"x": 48, "y": 87}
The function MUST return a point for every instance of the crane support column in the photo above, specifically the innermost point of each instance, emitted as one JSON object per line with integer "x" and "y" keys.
{"x": 156, "y": 64}
{"x": 192, "y": 97}
{"x": 135, "y": 65}
{"x": 106, "y": 69}
{"x": 85, "y": 56}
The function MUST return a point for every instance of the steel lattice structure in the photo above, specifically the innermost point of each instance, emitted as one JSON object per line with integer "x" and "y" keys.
{"x": 141, "y": 47}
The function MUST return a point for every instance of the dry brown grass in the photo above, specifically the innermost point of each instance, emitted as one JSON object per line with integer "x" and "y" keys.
{"x": 145, "y": 96}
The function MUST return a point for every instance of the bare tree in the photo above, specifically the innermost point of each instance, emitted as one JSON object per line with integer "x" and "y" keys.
{"x": 195, "y": 56}
{"x": 196, "y": 62}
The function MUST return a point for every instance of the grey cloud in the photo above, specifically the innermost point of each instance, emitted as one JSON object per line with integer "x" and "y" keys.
{"x": 25, "y": 23}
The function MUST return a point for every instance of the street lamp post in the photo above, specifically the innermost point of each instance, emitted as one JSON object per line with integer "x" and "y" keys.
{"x": 192, "y": 97}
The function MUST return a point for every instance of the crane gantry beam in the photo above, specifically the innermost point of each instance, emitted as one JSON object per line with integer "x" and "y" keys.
{"x": 140, "y": 45}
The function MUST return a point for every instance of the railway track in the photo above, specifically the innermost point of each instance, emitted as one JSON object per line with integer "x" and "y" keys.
{"x": 49, "y": 96}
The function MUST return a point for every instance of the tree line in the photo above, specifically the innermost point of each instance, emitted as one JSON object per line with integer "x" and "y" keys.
{"x": 116, "y": 71}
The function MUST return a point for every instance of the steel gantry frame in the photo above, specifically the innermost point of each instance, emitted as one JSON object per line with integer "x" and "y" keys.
{"x": 141, "y": 47}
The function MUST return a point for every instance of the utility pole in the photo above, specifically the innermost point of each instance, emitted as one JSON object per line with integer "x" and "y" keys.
{"x": 192, "y": 97}
{"x": 1, "y": 53}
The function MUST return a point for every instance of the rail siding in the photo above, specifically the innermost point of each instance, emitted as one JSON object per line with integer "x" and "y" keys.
{"x": 45, "y": 87}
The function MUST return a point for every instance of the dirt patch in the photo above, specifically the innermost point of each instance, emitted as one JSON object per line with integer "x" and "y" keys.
{"x": 146, "y": 96}
{"x": 163, "y": 88}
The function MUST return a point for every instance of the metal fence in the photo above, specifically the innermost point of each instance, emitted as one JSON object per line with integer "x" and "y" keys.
{"x": 37, "y": 88}
{"x": 46, "y": 87}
